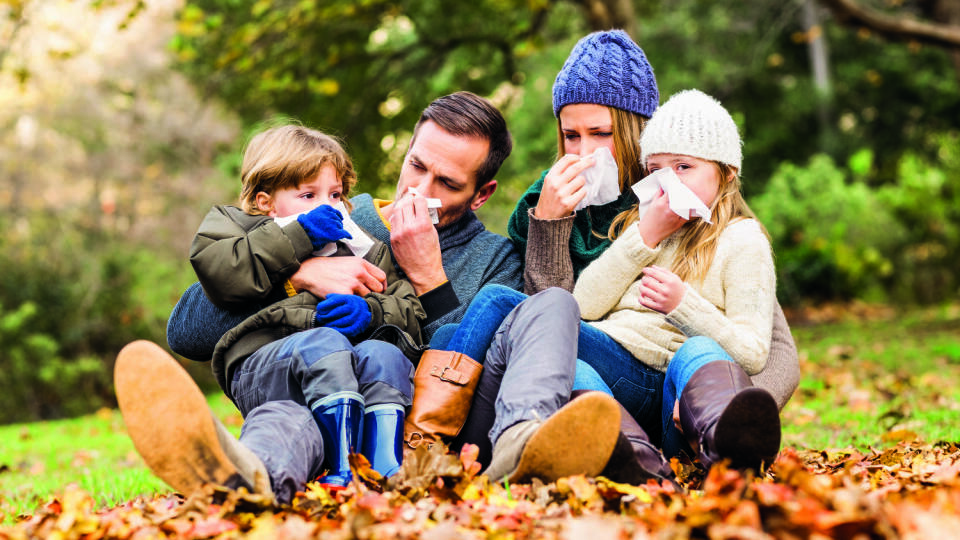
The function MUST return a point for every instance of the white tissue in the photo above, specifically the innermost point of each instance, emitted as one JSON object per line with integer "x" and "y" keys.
{"x": 359, "y": 245}
{"x": 603, "y": 182}
{"x": 432, "y": 205}
{"x": 682, "y": 200}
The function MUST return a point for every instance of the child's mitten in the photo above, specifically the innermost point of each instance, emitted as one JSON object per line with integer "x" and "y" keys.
{"x": 347, "y": 313}
{"x": 323, "y": 224}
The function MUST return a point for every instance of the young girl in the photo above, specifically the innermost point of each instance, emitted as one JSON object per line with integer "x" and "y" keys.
{"x": 688, "y": 297}
{"x": 299, "y": 354}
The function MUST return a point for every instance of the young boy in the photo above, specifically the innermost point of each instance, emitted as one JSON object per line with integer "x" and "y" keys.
{"x": 299, "y": 348}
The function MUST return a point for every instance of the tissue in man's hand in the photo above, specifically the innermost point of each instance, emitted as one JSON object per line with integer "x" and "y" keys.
{"x": 603, "y": 184}
{"x": 359, "y": 245}
{"x": 432, "y": 205}
{"x": 683, "y": 201}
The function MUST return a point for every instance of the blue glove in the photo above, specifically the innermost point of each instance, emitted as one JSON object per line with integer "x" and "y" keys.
{"x": 323, "y": 225}
{"x": 349, "y": 314}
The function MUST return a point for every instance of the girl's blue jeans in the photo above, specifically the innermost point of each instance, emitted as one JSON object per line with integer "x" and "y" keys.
{"x": 603, "y": 364}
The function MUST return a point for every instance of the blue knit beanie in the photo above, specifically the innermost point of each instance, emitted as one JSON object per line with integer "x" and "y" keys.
{"x": 607, "y": 68}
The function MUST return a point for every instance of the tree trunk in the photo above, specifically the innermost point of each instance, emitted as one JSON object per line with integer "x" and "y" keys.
{"x": 609, "y": 14}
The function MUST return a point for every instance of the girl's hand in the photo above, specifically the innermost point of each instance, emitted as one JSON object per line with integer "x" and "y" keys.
{"x": 660, "y": 289}
{"x": 563, "y": 188}
{"x": 659, "y": 221}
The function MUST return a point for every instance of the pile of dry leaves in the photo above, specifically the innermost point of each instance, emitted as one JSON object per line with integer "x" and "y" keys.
{"x": 911, "y": 490}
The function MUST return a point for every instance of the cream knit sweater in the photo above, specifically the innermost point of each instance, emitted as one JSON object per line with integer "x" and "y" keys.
{"x": 733, "y": 305}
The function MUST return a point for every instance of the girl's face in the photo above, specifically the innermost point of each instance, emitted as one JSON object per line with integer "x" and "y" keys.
{"x": 325, "y": 188}
{"x": 700, "y": 175}
{"x": 586, "y": 127}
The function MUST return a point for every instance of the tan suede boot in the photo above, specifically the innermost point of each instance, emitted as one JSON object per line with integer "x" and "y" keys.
{"x": 577, "y": 439}
{"x": 174, "y": 430}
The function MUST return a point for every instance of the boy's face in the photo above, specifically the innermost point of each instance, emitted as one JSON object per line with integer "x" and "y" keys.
{"x": 443, "y": 166}
{"x": 325, "y": 188}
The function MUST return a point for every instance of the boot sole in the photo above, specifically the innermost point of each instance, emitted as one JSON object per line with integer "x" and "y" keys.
{"x": 591, "y": 421}
{"x": 168, "y": 419}
{"x": 748, "y": 431}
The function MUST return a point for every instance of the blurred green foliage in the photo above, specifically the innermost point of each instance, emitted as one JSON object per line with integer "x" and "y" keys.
{"x": 69, "y": 300}
{"x": 836, "y": 238}
{"x": 858, "y": 182}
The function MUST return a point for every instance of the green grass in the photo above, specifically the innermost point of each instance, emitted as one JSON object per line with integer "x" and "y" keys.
{"x": 866, "y": 383}
{"x": 37, "y": 460}
{"x": 876, "y": 381}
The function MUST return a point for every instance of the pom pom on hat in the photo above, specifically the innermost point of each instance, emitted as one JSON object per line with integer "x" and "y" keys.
{"x": 607, "y": 68}
{"x": 692, "y": 123}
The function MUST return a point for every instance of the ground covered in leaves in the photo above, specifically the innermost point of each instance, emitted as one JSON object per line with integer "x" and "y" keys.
{"x": 911, "y": 490}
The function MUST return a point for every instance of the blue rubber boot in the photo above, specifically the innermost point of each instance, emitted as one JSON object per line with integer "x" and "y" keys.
{"x": 383, "y": 438}
{"x": 340, "y": 418}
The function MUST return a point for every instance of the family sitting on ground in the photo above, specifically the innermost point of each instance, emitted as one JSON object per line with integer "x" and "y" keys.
{"x": 630, "y": 317}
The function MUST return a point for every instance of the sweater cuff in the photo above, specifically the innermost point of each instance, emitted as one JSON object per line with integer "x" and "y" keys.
{"x": 633, "y": 246}
{"x": 692, "y": 310}
{"x": 552, "y": 232}
{"x": 439, "y": 301}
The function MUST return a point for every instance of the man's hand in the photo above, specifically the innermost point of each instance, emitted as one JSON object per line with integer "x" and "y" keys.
{"x": 563, "y": 187}
{"x": 415, "y": 244}
{"x": 660, "y": 289}
{"x": 338, "y": 275}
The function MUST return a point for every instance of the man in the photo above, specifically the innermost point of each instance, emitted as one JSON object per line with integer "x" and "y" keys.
{"x": 458, "y": 146}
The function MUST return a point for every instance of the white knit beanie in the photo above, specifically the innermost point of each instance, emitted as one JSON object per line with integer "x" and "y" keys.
{"x": 692, "y": 123}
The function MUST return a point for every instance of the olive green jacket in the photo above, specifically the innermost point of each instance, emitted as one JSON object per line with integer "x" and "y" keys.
{"x": 241, "y": 258}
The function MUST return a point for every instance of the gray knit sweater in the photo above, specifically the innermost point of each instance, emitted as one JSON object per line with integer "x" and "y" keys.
{"x": 472, "y": 256}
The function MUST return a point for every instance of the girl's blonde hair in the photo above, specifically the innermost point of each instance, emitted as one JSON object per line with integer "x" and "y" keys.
{"x": 286, "y": 156}
{"x": 697, "y": 238}
{"x": 627, "y": 127}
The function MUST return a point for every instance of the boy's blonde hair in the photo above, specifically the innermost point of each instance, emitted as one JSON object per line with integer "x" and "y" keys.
{"x": 286, "y": 156}
{"x": 697, "y": 238}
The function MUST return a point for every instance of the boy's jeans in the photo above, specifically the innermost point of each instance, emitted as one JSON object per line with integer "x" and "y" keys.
{"x": 275, "y": 387}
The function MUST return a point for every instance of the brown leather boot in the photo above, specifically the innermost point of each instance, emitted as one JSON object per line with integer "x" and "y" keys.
{"x": 443, "y": 387}
{"x": 634, "y": 460}
{"x": 726, "y": 417}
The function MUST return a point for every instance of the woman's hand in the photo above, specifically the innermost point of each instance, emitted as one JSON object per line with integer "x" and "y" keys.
{"x": 563, "y": 188}
{"x": 660, "y": 289}
{"x": 659, "y": 221}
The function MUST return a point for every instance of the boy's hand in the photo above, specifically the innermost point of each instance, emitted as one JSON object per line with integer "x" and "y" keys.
{"x": 323, "y": 224}
{"x": 347, "y": 313}
{"x": 660, "y": 289}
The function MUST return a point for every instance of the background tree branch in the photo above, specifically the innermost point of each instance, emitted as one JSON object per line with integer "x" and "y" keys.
{"x": 851, "y": 12}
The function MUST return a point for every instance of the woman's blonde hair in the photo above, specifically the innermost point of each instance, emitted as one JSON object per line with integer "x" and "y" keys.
{"x": 697, "y": 238}
{"x": 286, "y": 156}
{"x": 627, "y": 127}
